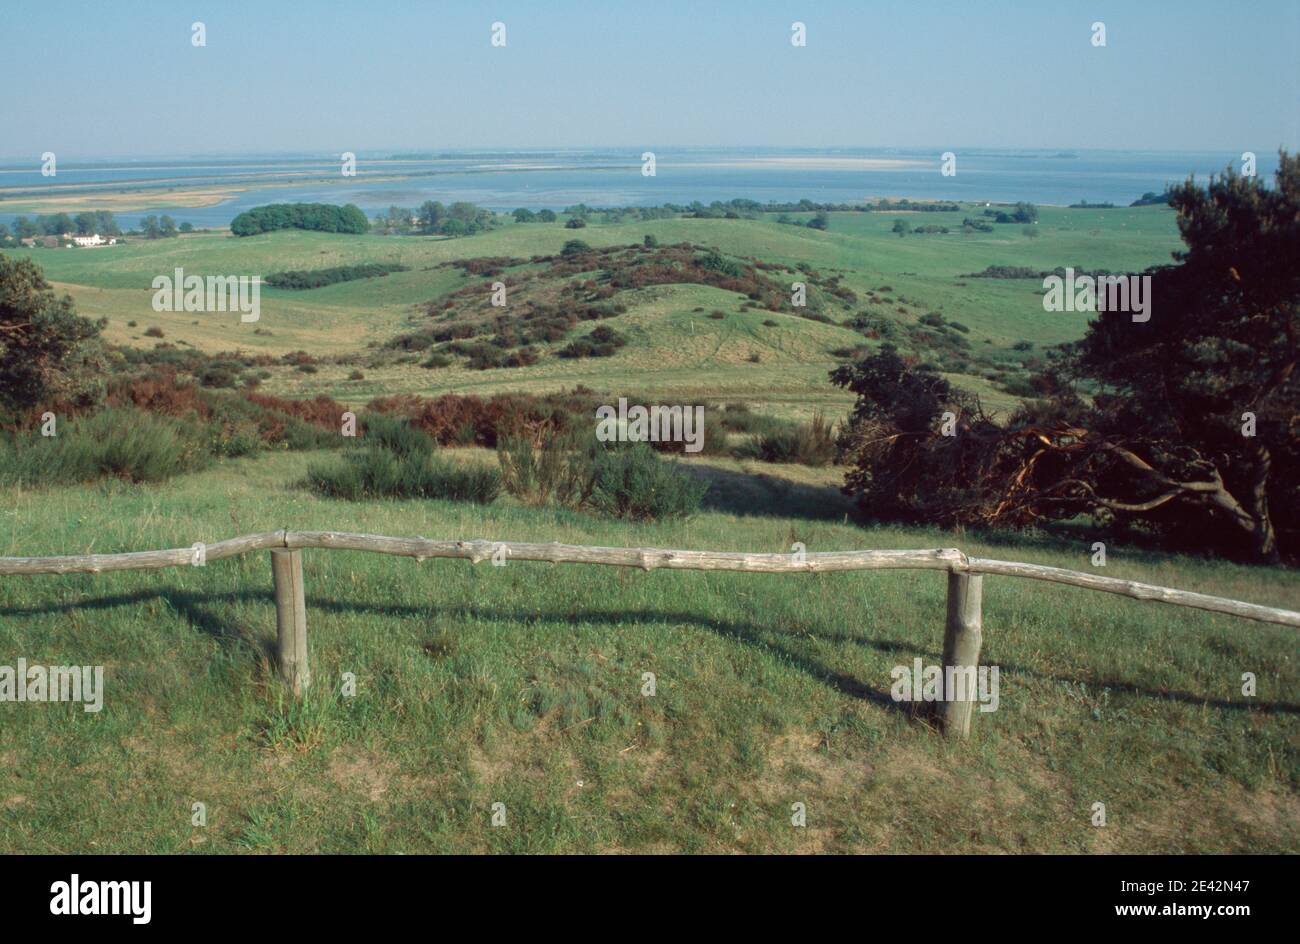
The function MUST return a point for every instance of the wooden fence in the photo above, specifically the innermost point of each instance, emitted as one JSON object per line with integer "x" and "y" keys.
{"x": 963, "y": 631}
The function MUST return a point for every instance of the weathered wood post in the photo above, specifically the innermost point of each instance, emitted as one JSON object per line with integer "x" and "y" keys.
{"x": 291, "y": 619}
{"x": 962, "y": 637}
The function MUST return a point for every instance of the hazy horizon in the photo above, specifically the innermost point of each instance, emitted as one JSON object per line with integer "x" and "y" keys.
{"x": 631, "y": 152}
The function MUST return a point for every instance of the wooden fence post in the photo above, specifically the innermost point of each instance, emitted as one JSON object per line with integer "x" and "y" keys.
{"x": 291, "y": 619}
{"x": 962, "y": 638}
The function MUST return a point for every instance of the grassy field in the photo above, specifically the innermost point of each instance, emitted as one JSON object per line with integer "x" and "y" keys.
{"x": 522, "y": 685}
{"x": 674, "y": 349}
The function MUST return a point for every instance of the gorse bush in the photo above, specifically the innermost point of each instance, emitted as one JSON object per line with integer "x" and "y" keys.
{"x": 633, "y": 482}
{"x": 568, "y": 467}
{"x": 544, "y": 464}
{"x": 398, "y": 461}
{"x": 396, "y": 436}
{"x": 121, "y": 443}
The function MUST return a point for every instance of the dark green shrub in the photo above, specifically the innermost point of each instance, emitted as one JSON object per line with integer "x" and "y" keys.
{"x": 395, "y": 435}
{"x": 635, "y": 483}
{"x": 398, "y": 461}
{"x": 318, "y": 278}
{"x": 716, "y": 262}
{"x": 603, "y": 341}
{"x": 219, "y": 374}
{"x": 115, "y": 442}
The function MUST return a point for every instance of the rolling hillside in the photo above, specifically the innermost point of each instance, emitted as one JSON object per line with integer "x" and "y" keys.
{"x": 673, "y": 348}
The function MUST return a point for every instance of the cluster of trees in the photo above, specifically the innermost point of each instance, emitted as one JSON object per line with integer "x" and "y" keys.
{"x": 56, "y": 224}
{"x": 161, "y": 227}
{"x": 737, "y": 209}
{"x": 89, "y": 223}
{"x": 1183, "y": 425}
{"x": 902, "y": 228}
{"x": 912, "y": 206}
{"x": 394, "y": 221}
{"x": 820, "y": 220}
{"x": 459, "y": 219}
{"x": 1020, "y": 213}
{"x": 432, "y": 218}
{"x": 524, "y": 215}
{"x": 322, "y": 217}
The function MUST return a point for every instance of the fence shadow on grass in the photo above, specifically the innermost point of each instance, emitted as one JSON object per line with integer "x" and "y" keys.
{"x": 198, "y": 610}
{"x": 747, "y": 633}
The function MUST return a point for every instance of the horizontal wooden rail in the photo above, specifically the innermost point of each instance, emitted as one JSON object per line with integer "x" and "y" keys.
{"x": 963, "y": 628}
{"x": 645, "y": 558}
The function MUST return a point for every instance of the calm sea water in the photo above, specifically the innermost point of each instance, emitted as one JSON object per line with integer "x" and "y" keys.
{"x": 602, "y": 178}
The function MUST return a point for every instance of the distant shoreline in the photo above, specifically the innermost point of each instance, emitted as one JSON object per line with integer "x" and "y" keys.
{"x": 210, "y": 193}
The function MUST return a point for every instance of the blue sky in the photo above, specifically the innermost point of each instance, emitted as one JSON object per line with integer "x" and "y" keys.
{"x": 122, "y": 78}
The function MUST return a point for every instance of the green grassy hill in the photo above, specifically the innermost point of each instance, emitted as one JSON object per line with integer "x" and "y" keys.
{"x": 673, "y": 349}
